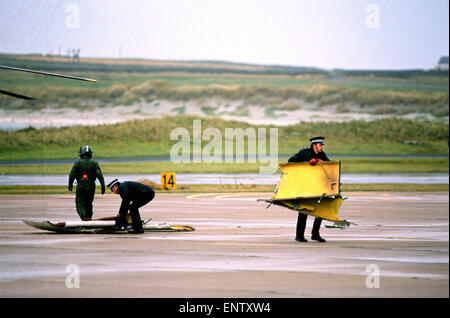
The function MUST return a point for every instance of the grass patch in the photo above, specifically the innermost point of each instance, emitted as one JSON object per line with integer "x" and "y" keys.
{"x": 35, "y": 189}
{"x": 270, "y": 112}
{"x": 179, "y": 110}
{"x": 392, "y": 187}
{"x": 290, "y": 106}
{"x": 384, "y": 110}
{"x": 342, "y": 108}
{"x": 242, "y": 111}
{"x": 151, "y": 137}
{"x": 209, "y": 110}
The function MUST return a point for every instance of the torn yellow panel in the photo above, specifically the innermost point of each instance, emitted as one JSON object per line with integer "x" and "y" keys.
{"x": 301, "y": 180}
{"x": 327, "y": 209}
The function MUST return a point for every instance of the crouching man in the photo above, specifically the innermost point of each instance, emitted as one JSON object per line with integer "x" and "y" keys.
{"x": 134, "y": 195}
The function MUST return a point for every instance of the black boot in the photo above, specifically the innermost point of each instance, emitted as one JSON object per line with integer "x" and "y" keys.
{"x": 137, "y": 231}
{"x": 315, "y": 231}
{"x": 300, "y": 230}
{"x": 318, "y": 238}
{"x": 121, "y": 224}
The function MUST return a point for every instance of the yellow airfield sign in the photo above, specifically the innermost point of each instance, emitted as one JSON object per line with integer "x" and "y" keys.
{"x": 168, "y": 181}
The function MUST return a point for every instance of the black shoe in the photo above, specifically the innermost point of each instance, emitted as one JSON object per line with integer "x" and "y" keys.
{"x": 301, "y": 239}
{"x": 140, "y": 231}
{"x": 316, "y": 237}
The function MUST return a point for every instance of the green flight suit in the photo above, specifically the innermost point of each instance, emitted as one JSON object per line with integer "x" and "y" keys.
{"x": 85, "y": 171}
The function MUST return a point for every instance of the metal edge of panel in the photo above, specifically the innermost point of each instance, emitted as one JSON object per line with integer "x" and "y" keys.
{"x": 331, "y": 196}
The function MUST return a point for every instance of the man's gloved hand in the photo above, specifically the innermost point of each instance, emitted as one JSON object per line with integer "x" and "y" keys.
{"x": 103, "y": 189}
{"x": 70, "y": 187}
{"x": 313, "y": 161}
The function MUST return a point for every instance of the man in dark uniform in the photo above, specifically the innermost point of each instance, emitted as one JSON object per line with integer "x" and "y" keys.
{"x": 312, "y": 155}
{"x": 85, "y": 171}
{"x": 134, "y": 195}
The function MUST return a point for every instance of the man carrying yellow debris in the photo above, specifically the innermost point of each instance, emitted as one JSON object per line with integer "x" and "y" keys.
{"x": 313, "y": 154}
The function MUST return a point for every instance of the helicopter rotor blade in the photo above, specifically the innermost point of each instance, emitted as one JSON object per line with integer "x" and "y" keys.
{"x": 47, "y": 73}
{"x": 15, "y": 95}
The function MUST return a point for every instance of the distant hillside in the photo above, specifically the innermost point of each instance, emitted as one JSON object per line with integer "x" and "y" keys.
{"x": 55, "y": 63}
{"x": 66, "y": 64}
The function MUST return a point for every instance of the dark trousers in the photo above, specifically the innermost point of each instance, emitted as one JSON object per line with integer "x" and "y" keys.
{"x": 301, "y": 225}
{"x": 83, "y": 201}
{"x": 141, "y": 200}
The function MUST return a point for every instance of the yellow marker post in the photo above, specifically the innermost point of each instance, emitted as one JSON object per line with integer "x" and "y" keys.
{"x": 168, "y": 181}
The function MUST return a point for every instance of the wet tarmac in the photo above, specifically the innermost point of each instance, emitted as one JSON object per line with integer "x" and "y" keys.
{"x": 239, "y": 249}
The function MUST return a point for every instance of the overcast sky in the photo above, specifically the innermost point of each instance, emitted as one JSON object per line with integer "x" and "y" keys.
{"x": 349, "y": 34}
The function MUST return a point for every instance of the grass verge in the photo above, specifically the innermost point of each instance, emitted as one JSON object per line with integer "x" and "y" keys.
{"x": 151, "y": 137}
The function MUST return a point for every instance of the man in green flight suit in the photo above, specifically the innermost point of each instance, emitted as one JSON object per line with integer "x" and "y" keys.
{"x": 85, "y": 171}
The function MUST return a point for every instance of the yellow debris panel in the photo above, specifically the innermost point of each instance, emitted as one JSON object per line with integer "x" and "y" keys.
{"x": 301, "y": 180}
{"x": 182, "y": 228}
{"x": 327, "y": 209}
{"x": 313, "y": 190}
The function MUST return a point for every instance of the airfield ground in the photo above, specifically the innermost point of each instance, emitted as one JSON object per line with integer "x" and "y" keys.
{"x": 239, "y": 249}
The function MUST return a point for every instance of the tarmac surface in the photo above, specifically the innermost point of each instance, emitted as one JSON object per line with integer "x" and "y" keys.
{"x": 399, "y": 248}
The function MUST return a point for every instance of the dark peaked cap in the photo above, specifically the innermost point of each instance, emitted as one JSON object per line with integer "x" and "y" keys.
{"x": 317, "y": 140}
{"x": 113, "y": 183}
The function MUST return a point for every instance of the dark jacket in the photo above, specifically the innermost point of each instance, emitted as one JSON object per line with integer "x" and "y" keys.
{"x": 306, "y": 154}
{"x": 131, "y": 191}
{"x": 86, "y": 171}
